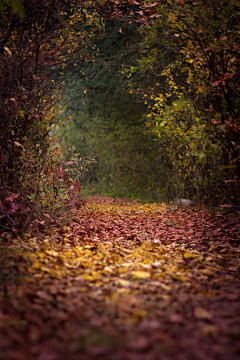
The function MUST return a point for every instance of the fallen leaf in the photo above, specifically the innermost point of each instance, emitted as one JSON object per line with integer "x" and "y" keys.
{"x": 140, "y": 344}
{"x": 202, "y": 314}
{"x": 141, "y": 274}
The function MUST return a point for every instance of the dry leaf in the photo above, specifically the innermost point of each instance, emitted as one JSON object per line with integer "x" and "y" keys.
{"x": 202, "y": 314}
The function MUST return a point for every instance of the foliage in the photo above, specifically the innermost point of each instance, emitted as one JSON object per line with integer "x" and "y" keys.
{"x": 103, "y": 118}
{"x": 16, "y": 6}
{"x": 159, "y": 55}
{"x": 151, "y": 87}
{"x": 33, "y": 47}
{"x": 121, "y": 151}
{"x": 190, "y": 155}
{"x": 205, "y": 72}
{"x": 56, "y": 186}
{"x": 47, "y": 188}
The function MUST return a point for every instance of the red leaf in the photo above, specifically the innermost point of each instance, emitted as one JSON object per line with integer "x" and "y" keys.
{"x": 15, "y": 206}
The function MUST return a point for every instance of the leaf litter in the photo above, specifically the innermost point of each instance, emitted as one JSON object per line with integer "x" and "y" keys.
{"x": 123, "y": 280}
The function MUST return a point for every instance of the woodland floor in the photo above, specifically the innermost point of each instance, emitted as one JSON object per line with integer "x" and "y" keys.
{"x": 122, "y": 280}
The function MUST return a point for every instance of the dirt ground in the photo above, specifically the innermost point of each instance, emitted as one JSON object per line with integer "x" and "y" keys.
{"x": 121, "y": 280}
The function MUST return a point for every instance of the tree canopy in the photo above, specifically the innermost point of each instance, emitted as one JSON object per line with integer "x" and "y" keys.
{"x": 150, "y": 89}
{"x": 174, "y": 65}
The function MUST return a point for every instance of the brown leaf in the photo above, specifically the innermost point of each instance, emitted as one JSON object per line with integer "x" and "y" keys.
{"x": 202, "y": 314}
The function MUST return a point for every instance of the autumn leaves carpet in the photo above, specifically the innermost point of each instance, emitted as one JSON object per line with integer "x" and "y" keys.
{"x": 123, "y": 280}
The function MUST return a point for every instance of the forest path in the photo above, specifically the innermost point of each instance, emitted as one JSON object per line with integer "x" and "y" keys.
{"x": 123, "y": 281}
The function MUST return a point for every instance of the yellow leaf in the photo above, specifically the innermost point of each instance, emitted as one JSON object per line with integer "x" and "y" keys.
{"x": 8, "y": 50}
{"x": 73, "y": 265}
{"x": 172, "y": 17}
{"x": 147, "y": 266}
{"x": 141, "y": 274}
{"x": 188, "y": 255}
{"x": 139, "y": 313}
{"x": 52, "y": 253}
{"x": 108, "y": 269}
{"x": 68, "y": 254}
{"x": 180, "y": 278}
{"x": 114, "y": 295}
{"x": 165, "y": 287}
{"x": 123, "y": 283}
{"x": 88, "y": 277}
